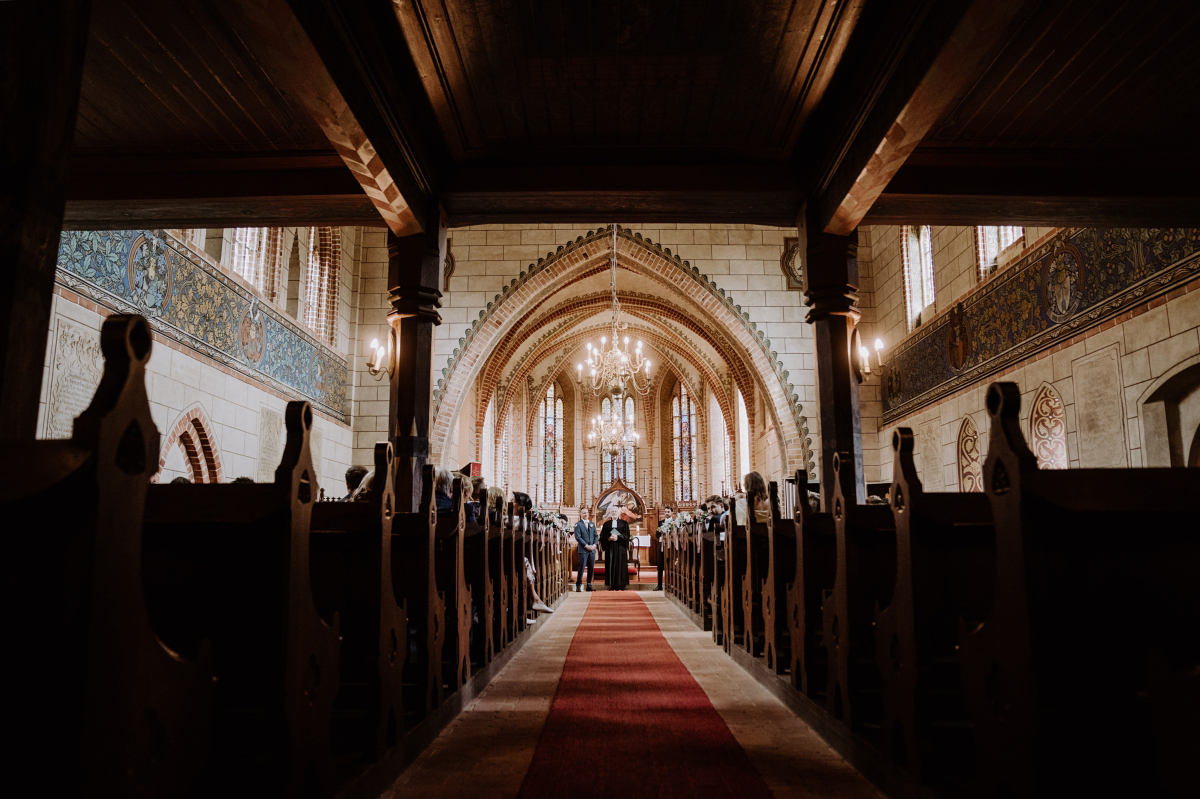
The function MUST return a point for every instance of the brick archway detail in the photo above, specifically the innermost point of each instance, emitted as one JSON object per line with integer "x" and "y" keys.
{"x": 541, "y": 280}
{"x": 192, "y": 433}
{"x": 647, "y": 308}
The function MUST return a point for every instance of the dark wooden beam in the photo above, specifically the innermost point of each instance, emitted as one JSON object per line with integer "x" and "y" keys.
{"x": 951, "y": 209}
{"x": 232, "y": 190}
{"x": 41, "y": 48}
{"x": 362, "y": 47}
{"x": 917, "y": 58}
{"x": 1098, "y": 188}
{"x": 763, "y": 194}
{"x": 272, "y": 32}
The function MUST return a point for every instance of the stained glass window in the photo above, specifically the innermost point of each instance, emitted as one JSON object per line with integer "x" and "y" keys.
{"x": 683, "y": 442}
{"x": 622, "y": 465}
{"x": 552, "y": 443}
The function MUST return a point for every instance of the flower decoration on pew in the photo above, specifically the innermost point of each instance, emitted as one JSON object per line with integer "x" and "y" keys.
{"x": 549, "y": 518}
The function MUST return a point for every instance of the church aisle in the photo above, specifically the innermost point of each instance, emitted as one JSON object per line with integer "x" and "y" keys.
{"x": 490, "y": 747}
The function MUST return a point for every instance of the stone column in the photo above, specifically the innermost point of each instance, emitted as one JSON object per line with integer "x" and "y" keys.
{"x": 41, "y": 46}
{"x": 831, "y": 293}
{"x": 414, "y": 273}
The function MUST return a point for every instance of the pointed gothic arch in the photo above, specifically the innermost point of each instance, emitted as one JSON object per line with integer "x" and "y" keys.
{"x": 590, "y": 253}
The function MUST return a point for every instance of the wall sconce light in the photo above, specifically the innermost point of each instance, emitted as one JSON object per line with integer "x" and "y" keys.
{"x": 863, "y": 367}
{"x": 382, "y": 359}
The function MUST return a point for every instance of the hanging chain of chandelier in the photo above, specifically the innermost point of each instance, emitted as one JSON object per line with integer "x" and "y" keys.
{"x": 614, "y": 370}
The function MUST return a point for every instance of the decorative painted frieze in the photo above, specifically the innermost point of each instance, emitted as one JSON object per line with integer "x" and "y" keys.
{"x": 194, "y": 303}
{"x": 1078, "y": 279}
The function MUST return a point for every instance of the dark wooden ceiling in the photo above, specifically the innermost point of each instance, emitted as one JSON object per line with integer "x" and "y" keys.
{"x": 164, "y": 77}
{"x": 618, "y": 80}
{"x": 1051, "y": 111}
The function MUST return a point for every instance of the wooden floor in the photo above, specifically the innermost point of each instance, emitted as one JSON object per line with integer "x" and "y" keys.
{"x": 486, "y": 751}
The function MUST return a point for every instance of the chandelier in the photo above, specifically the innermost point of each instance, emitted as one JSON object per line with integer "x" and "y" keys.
{"x": 612, "y": 434}
{"x": 611, "y": 367}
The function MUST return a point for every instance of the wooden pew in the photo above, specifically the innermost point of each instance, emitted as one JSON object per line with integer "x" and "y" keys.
{"x": 98, "y": 705}
{"x": 413, "y": 574}
{"x": 717, "y": 538}
{"x": 351, "y": 548}
{"x": 231, "y": 563}
{"x": 500, "y": 573}
{"x": 708, "y": 571}
{"x": 1084, "y": 677}
{"x": 757, "y": 602}
{"x": 452, "y": 585}
{"x": 866, "y": 570}
{"x": 774, "y": 589}
{"x": 733, "y": 600}
{"x": 479, "y": 583}
{"x": 945, "y": 566}
{"x": 815, "y": 575}
{"x": 521, "y": 551}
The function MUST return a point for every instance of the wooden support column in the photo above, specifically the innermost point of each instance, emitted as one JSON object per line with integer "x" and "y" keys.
{"x": 831, "y": 293}
{"x": 41, "y": 49}
{"x": 414, "y": 273}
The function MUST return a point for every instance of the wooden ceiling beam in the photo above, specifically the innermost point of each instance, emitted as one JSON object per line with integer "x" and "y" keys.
{"x": 1101, "y": 188}
{"x": 274, "y": 34}
{"x": 748, "y": 194}
{"x": 229, "y": 190}
{"x": 362, "y": 47}
{"x": 942, "y": 48}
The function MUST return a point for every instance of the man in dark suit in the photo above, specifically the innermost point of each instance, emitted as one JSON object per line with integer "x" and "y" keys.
{"x": 586, "y": 544}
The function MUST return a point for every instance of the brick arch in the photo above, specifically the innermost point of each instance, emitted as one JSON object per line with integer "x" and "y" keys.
{"x": 574, "y": 338}
{"x": 650, "y": 309}
{"x": 558, "y": 270}
{"x": 193, "y": 434}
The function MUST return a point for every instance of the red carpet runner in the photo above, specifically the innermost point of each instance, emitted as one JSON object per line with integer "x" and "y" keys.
{"x": 628, "y": 719}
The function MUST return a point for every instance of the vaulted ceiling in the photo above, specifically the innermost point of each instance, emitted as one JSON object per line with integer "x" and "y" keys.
{"x": 218, "y": 112}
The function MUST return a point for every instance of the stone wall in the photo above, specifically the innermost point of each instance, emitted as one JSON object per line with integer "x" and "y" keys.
{"x": 1090, "y": 381}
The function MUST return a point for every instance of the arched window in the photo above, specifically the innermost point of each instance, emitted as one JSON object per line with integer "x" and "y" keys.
{"x": 321, "y": 291}
{"x": 622, "y": 465}
{"x": 917, "y": 249}
{"x": 1048, "y": 429}
{"x": 970, "y": 469}
{"x": 552, "y": 445}
{"x": 256, "y": 254}
{"x": 991, "y": 241}
{"x": 683, "y": 443}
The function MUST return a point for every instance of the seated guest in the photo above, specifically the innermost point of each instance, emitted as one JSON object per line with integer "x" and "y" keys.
{"x": 181, "y": 480}
{"x": 363, "y": 492}
{"x": 354, "y": 476}
{"x": 473, "y": 500}
{"x": 716, "y": 514}
{"x": 495, "y": 496}
{"x": 536, "y": 601}
{"x": 243, "y": 479}
{"x": 522, "y": 501}
{"x": 756, "y": 492}
{"x": 443, "y": 492}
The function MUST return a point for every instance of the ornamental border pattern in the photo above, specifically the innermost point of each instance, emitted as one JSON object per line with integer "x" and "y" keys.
{"x": 1075, "y": 281}
{"x": 148, "y": 272}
